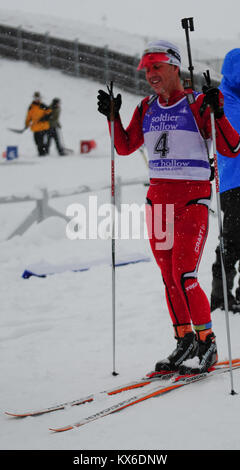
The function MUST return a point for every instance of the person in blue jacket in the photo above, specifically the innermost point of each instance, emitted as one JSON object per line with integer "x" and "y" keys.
{"x": 229, "y": 178}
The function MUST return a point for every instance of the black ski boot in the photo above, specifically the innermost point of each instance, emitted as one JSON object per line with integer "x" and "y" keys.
{"x": 187, "y": 348}
{"x": 207, "y": 355}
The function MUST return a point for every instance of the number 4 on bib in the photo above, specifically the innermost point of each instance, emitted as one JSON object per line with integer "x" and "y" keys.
{"x": 161, "y": 146}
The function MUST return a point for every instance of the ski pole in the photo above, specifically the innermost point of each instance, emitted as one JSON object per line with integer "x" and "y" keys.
{"x": 113, "y": 205}
{"x": 221, "y": 239}
{"x": 187, "y": 24}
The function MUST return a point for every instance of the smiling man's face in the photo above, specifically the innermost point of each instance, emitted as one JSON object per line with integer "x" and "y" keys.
{"x": 163, "y": 78}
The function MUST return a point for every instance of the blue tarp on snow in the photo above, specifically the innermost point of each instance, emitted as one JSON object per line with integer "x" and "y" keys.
{"x": 45, "y": 269}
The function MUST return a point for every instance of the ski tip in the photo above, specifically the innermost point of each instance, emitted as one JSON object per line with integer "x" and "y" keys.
{"x": 16, "y": 415}
{"x": 65, "y": 428}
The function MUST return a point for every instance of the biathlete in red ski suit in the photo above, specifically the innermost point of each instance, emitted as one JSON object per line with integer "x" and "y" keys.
{"x": 174, "y": 124}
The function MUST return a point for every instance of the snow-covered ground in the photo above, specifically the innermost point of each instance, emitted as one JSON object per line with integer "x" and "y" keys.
{"x": 56, "y": 332}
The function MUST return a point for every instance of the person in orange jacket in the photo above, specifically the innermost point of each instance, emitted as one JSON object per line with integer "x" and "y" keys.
{"x": 38, "y": 120}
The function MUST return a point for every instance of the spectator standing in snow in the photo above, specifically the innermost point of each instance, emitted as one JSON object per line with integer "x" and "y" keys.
{"x": 53, "y": 132}
{"x": 229, "y": 176}
{"x": 37, "y": 119}
{"x": 175, "y": 126}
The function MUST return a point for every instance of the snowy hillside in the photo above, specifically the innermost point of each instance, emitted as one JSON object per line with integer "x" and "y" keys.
{"x": 56, "y": 332}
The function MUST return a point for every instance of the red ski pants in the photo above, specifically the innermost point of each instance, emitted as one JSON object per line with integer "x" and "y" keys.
{"x": 179, "y": 262}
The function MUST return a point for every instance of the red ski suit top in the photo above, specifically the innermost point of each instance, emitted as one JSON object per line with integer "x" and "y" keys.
{"x": 187, "y": 303}
{"x": 130, "y": 139}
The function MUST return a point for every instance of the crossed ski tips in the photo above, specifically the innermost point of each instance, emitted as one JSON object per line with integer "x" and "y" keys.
{"x": 178, "y": 381}
{"x": 138, "y": 383}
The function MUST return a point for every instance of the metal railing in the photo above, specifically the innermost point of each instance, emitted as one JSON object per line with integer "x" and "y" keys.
{"x": 78, "y": 59}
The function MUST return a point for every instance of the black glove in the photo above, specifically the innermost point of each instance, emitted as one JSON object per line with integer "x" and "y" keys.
{"x": 214, "y": 98}
{"x": 104, "y": 103}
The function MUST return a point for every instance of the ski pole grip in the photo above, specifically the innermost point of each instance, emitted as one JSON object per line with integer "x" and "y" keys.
{"x": 207, "y": 77}
{"x": 112, "y": 110}
{"x": 188, "y": 23}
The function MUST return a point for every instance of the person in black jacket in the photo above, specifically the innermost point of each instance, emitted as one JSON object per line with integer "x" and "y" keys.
{"x": 53, "y": 132}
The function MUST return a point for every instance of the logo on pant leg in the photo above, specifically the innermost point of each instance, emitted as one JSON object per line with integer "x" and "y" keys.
{"x": 200, "y": 238}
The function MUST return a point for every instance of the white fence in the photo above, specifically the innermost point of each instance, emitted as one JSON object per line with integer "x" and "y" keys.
{"x": 81, "y": 60}
{"x": 42, "y": 210}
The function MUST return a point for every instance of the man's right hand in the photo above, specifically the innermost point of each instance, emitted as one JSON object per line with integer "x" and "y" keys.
{"x": 104, "y": 103}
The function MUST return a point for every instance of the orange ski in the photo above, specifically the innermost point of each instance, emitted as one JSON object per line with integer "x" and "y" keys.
{"x": 179, "y": 381}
